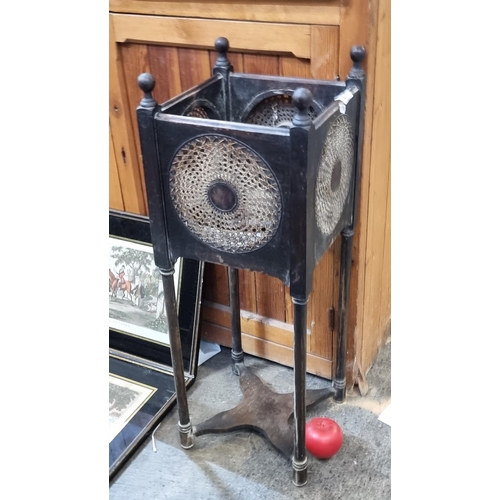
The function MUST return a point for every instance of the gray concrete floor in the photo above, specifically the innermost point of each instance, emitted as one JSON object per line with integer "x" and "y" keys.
{"x": 243, "y": 465}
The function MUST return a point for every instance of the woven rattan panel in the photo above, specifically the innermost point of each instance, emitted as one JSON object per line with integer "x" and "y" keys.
{"x": 275, "y": 111}
{"x": 334, "y": 175}
{"x": 225, "y": 194}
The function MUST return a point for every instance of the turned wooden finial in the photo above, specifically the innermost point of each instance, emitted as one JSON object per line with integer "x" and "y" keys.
{"x": 146, "y": 83}
{"x": 358, "y": 53}
{"x": 222, "y": 46}
{"x": 302, "y": 100}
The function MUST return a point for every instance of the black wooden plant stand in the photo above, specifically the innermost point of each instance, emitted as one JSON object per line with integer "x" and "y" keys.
{"x": 262, "y": 409}
{"x": 260, "y": 173}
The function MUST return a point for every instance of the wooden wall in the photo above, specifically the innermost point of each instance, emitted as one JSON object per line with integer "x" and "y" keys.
{"x": 372, "y": 313}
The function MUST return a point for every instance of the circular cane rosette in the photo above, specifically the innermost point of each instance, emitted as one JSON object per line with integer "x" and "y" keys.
{"x": 334, "y": 174}
{"x": 275, "y": 111}
{"x": 225, "y": 194}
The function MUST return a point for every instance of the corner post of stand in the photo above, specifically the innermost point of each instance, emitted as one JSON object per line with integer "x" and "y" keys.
{"x": 237, "y": 356}
{"x": 300, "y": 278}
{"x": 223, "y": 67}
{"x": 185, "y": 426}
{"x": 355, "y": 78}
{"x": 146, "y": 112}
{"x": 339, "y": 382}
{"x": 147, "y": 133}
{"x": 299, "y": 460}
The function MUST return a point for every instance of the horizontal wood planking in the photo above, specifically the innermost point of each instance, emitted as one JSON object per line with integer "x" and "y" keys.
{"x": 201, "y": 33}
{"x": 266, "y": 349}
{"x": 251, "y": 323}
{"x": 288, "y": 11}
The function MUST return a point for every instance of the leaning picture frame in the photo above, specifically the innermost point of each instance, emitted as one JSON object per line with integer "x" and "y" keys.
{"x": 126, "y": 398}
{"x": 136, "y": 305}
{"x": 141, "y": 382}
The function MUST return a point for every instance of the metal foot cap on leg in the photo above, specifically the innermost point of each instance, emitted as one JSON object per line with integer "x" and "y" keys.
{"x": 339, "y": 386}
{"x": 237, "y": 361}
{"x": 299, "y": 472}
{"x": 186, "y": 434}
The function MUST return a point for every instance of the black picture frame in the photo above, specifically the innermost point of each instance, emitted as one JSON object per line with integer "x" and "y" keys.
{"x": 145, "y": 362}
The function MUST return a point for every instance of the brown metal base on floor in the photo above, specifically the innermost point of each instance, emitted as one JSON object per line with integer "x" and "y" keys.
{"x": 262, "y": 410}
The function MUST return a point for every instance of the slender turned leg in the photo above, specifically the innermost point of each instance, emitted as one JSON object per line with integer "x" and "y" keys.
{"x": 299, "y": 461}
{"x": 339, "y": 382}
{"x": 185, "y": 427}
{"x": 234, "y": 297}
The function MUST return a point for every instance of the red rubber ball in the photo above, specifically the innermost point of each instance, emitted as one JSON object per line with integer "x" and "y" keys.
{"x": 324, "y": 437}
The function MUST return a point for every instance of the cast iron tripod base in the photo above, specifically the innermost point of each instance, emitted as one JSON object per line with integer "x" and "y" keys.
{"x": 262, "y": 410}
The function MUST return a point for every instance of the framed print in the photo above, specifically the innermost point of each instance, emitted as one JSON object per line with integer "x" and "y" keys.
{"x": 141, "y": 382}
{"x": 137, "y": 322}
{"x": 139, "y": 397}
{"x": 136, "y": 300}
{"x": 126, "y": 398}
